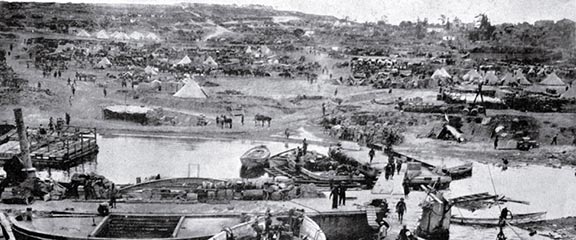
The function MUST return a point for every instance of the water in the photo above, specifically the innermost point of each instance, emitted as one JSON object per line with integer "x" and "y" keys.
{"x": 123, "y": 158}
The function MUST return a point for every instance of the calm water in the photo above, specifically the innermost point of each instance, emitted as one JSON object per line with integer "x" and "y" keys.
{"x": 123, "y": 158}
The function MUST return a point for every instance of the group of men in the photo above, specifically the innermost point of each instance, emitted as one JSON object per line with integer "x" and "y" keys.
{"x": 338, "y": 196}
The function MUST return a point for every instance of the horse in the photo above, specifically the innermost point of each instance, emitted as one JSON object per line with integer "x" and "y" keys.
{"x": 262, "y": 119}
{"x": 225, "y": 122}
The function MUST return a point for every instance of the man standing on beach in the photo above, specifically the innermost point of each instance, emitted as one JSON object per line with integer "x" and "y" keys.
{"x": 371, "y": 154}
{"x": 334, "y": 196}
{"x": 342, "y": 194}
{"x": 496, "y": 141}
{"x": 401, "y": 209}
{"x": 554, "y": 140}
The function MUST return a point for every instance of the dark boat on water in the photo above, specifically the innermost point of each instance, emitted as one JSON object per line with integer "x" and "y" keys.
{"x": 255, "y": 157}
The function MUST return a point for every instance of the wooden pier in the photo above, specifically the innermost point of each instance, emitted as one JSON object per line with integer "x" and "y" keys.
{"x": 62, "y": 149}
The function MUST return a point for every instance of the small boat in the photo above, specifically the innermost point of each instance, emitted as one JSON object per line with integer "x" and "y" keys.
{"x": 460, "y": 171}
{"x": 256, "y": 156}
{"x": 516, "y": 219}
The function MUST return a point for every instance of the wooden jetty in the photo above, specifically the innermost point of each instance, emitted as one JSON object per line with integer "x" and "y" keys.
{"x": 56, "y": 149}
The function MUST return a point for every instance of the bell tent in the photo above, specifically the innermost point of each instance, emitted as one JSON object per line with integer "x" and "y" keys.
{"x": 191, "y": 89}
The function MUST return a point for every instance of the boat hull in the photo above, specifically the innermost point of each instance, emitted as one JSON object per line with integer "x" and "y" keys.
{"x": 517, "y": 219}
{"x": 256, "y": 157}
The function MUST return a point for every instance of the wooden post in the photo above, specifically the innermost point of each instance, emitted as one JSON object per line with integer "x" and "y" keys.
{"x": 24, "y": 145}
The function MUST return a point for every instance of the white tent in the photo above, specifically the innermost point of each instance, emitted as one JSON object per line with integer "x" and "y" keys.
{"x": 102, "y": 34}
{"x": 120, "y": 36}
{"x": 137, "y": 35}
{"x": 490, "y": 78}
{"x": 248, "y": 50}
{"x": 184, "y": 61}
{"x": 522, "y": 79}
{"x": 264, "y": 50}
{"x": 210, "y": 61}
{"x": 509, "y": 80}
{"x": 151, "y": 70}
{"x": 570, "y": 94}
{"x": 441, "y": 74}
{"x": 104, "y": 63}
{"x": 472, "y": 75}
{"x": 191, "y": 89}
{"x": 152, "y": 36}
{"x": 83, "y": 33}
{"x": 552, "y": 80}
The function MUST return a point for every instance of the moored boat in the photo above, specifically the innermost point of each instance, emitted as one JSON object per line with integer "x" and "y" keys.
{"x": 460, "y": 171}
{"x": 516, "y": 219}
{"x": 255, "y": 157}
{"x": 185, "y": 183}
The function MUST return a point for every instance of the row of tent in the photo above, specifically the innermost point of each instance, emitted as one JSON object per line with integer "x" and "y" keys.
{"x": 208, "y": 61}
{"x": 490, "y": 78}
{"x": 102, "y": 34}
{"x": 105, "y": 63}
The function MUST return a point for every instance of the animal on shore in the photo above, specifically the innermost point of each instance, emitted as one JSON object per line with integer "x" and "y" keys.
{"x": 262, "y": 119}
{"x": 224, "y": 122}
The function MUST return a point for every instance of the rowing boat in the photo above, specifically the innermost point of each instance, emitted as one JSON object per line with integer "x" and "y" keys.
{"x": 516, "y": 219}
{"x": 172, "y": 184}
{"x": 460, "y": 171}
{"x": 255, "y": 157}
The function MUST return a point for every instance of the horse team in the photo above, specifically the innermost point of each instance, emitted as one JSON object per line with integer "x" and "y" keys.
{"x": 226, "y": 122}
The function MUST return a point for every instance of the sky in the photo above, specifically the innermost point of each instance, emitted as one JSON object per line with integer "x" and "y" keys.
{"x": 395, "y": 11}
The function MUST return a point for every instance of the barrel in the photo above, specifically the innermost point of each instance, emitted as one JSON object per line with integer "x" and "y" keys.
{"x": 211, "y": 195}
{"x": 191, "y": 197}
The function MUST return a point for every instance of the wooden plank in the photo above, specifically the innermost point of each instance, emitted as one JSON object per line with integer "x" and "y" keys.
{"x": 371, "y": 217}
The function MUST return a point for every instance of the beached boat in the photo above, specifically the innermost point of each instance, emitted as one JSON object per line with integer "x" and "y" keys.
{"x": 308, "y": 229}
{"x": 171, "y": 184}
{"x": 417, "y": 175}
{"x": 516, "y": 219}
{"x": 460, "y": 171}
{"x": 120, "y": 226}
{"x": 255, "y": 157}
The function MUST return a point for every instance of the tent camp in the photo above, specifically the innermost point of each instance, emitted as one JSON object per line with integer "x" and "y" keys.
{"x": 151, "y": 70}
{"x": 248, "y": 50}
{"x": 441, "y": 74}
{"x": 210, "y": 62}
{"x": 185, "y": 60}
{"x": 83, "y": 33}
{"x": 264, "y": 50}
{"x": 191, "y": 89}
{"x": 490, "y": 78}
{"x": 104, "y": 63}
{"x": 552, "y": 80}
{"x": 102, "y": 34}
{"x": 472, "y": 76}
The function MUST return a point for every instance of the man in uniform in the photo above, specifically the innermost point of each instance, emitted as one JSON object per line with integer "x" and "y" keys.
{"x": 401, "y": 209}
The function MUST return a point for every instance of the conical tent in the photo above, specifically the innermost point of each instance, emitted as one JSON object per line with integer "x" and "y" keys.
{"x": 472, "y": 75}
{"x": 490, "y": 78}
{"x": 185, "y": 60}
{"x": 120, "y": 36}
{"x": 104, "y": 63}
{"x": 521, "y": 79}
{"x": 83, "y": 33}
{"x": 570, "y": 94}
{"x": 191, "y": 89}
{"x": 552, "y": 80}
{"x": 152, "y": 36}
{"x": 102, "y": 34}
{"x": 248, "y": 50}
{"x": 210, "y": 61}
{"x": 265, "y": 50}
{"x": 508, "y": 80}
{"x": 136, "y": 35}
{"x": 440, "y": 74}
{"x": 151, "y": 70}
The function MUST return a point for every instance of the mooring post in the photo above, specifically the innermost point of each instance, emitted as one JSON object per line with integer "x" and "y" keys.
{"x": 24, "y": 145}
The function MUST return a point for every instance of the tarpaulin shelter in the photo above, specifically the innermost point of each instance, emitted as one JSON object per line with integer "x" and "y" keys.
{"x": 151, "y": 70}
{"x": 491, "y": 79}
{"x": 210, "y": 61}
{"x": 472, "y": 76}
